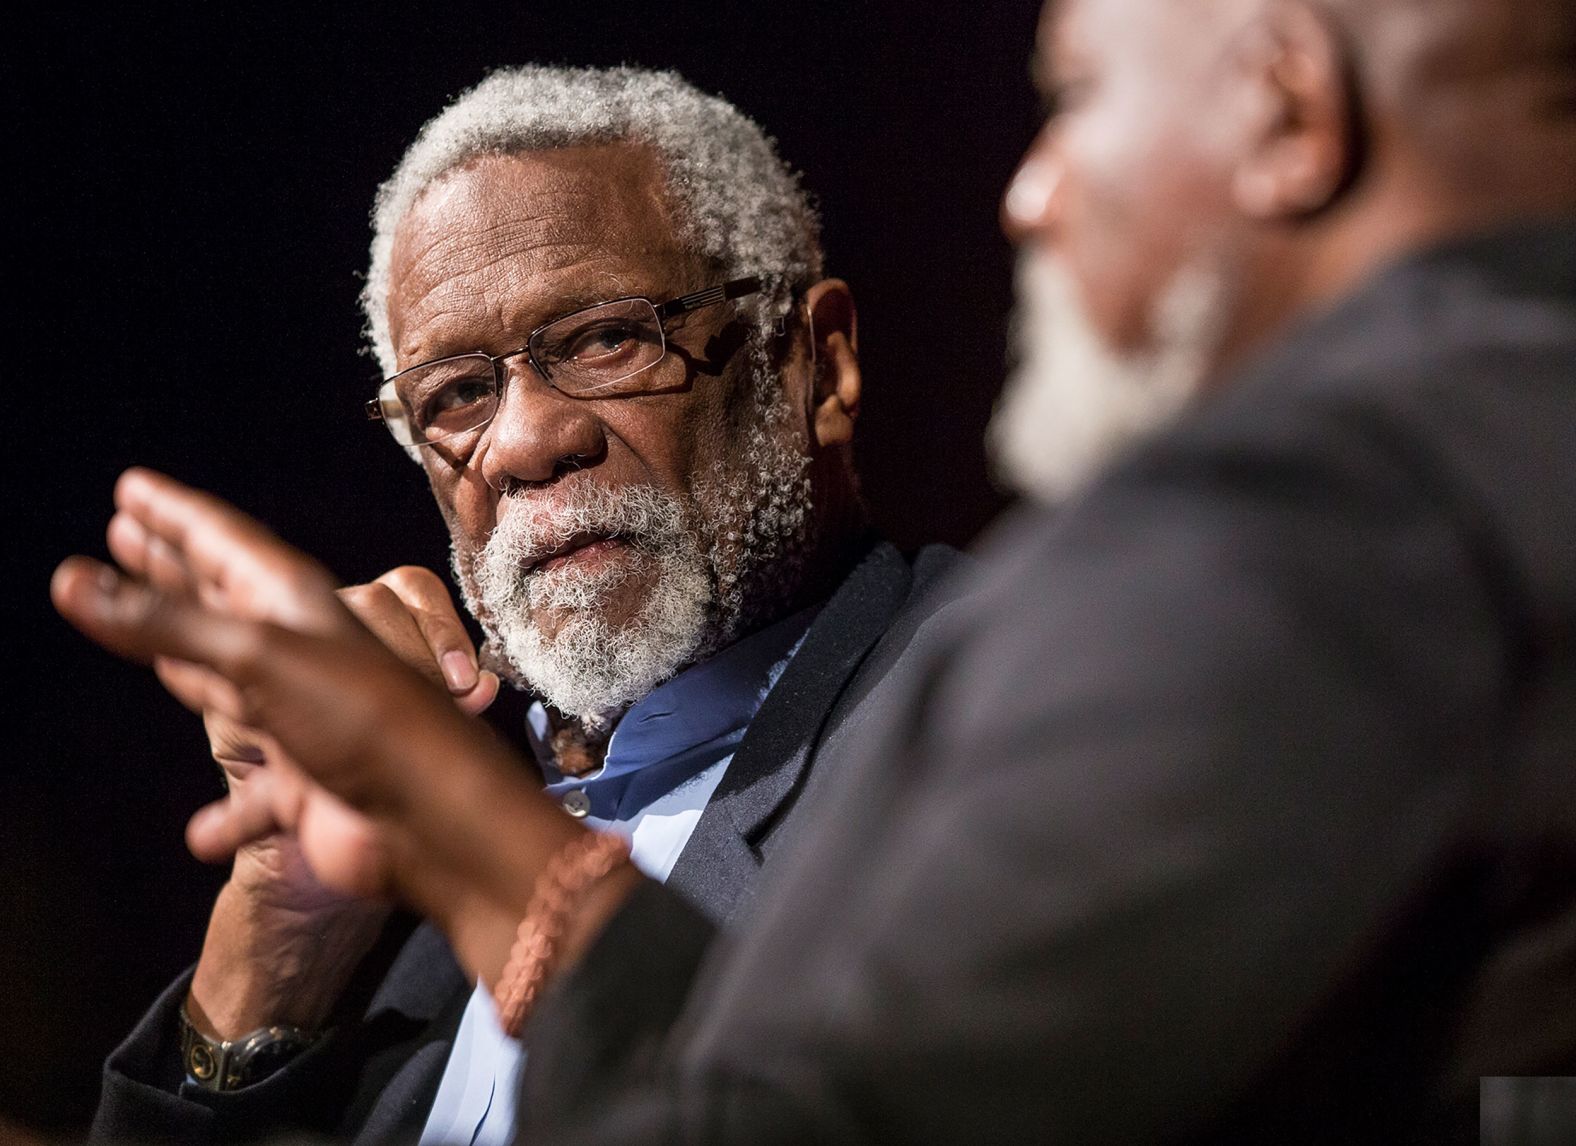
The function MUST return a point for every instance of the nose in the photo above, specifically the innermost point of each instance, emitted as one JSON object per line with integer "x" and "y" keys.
{"x": 1031, "y": 201}
{"x": 537, "y": 432}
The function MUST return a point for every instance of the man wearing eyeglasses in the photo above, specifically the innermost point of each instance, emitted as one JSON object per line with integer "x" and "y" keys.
{"x": 598, "y": 300}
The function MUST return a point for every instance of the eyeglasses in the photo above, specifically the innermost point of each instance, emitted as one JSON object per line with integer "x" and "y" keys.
{"x": 601, "y": 351}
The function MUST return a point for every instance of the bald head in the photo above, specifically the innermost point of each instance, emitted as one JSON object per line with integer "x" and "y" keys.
{"x": 1458, "y": 39}
{"x": 1481, "y": 92}
{"x": 1476, "y": 97}
{"x": 1211, "y": 172}
{"x": 1294, "y": 145}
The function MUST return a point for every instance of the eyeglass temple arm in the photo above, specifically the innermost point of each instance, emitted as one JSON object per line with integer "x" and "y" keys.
{"x": 374, "y": 409}
{"x": 738, "y": 288}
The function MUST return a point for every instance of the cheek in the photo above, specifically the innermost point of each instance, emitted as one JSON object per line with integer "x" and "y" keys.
{"x": 468, "y": 507}
{"x": 1130, "y": 204}
{"x": 668, "y": 440}
{"x": 1106, "y": 234}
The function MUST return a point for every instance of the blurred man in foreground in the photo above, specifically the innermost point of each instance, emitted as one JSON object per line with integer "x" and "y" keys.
{"x": 1237, "y": 805}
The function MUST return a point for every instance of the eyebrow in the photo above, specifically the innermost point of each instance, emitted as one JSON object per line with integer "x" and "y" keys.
{"x": 1048, "y": 84}
{"x": 564, "y": 303}
{"x": 559, "y": 305}
{"x": 1041, "y": 76}
{"x": 580, "y": 298}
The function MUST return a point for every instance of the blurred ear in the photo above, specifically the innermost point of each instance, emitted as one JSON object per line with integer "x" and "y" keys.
{"x": 1300, "y": 147}
{"x": 835, "y": 381}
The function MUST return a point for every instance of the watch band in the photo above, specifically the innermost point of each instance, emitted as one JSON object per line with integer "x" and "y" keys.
{"x": 229, "y": 1064}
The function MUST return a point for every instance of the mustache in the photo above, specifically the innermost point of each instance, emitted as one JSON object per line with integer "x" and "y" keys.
{"x": 534, "y": 526}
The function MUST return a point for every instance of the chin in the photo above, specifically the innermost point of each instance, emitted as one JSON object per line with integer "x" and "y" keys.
{"x": 590, "y": 662}
{"x": 610, "y": 616}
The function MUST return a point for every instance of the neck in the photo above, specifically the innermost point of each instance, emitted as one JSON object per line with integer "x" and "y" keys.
{"x": 579, "y": 746}
{"x": 836, "y": 545}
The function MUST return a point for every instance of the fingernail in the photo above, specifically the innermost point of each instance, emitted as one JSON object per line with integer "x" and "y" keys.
{"x": 458, "y": 671}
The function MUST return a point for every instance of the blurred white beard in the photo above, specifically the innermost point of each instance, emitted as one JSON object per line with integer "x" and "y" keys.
{"x": 1071, "y": 403}
{"x": 715, "y": 567}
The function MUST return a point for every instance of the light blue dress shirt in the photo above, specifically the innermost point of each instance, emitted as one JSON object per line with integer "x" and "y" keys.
{"x": 664, "y": 761}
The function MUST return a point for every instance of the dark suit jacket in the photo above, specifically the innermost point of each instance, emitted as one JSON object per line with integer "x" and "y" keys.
{"x": 1237, "y": 804}
{"x": 374, "y": 1080}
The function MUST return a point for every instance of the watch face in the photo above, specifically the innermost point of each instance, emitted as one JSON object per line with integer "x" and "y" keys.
{"x": 264, "y": 1053}
{"x": 201, "y": 1063}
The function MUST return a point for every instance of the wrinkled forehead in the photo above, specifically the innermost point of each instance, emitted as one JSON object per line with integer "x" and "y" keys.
{"x": 614, "y": 194}
{"x": 1071, "y": 35}
{"x": 536, "y": 230}
{"x": 1064, "y": 22}
{"x": 1154, "y": 68}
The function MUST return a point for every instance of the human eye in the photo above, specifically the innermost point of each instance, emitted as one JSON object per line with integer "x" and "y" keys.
{"x": 594, "y": 348}
{"x": 450, "y": 397}
{"x": 1064, "y": 97}
{"x": 604, "y": 341}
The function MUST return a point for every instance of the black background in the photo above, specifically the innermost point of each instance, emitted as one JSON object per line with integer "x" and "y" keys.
{"x": 188, "y": 195}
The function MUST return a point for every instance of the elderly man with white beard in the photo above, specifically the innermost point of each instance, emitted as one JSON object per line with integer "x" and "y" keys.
{"x": 598, "y": 299}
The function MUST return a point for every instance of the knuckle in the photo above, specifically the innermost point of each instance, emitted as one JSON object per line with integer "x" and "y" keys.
{"x": 370, "y": 599}
{"x": 443, "y": 625}
{"x": 408, "y": 575}
{"x": 415, "y": 583}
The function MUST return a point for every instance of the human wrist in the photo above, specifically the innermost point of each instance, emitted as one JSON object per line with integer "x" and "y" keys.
{"x": 479, "y": 895}
{"x": 558, "y": 914}
{"x": 219, "y": 1064}
{"x": 456, "y": 862}
{"x": 262, "y": 966}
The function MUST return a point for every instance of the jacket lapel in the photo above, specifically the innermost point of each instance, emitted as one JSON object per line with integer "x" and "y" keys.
{"x": 717, "y": 868}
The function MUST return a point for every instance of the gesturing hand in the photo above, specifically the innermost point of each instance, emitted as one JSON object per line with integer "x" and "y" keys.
{"x": 386, "y": 785}
{"x": 410, "y": 611}
{"x": 241, "y": 625}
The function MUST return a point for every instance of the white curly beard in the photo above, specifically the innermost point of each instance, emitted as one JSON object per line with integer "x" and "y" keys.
{"x": 1071, "y": 403}
{"x": 717, "y": 563}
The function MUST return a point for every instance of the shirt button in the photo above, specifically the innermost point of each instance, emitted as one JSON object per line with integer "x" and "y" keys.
{"x": 577, "y": 803}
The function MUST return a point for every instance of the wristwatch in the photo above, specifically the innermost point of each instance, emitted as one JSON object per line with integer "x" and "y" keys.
{"x": 230, "y": 1064}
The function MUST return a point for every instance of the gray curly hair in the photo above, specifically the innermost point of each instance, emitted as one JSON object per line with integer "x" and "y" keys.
{"x": 736, "y": 203}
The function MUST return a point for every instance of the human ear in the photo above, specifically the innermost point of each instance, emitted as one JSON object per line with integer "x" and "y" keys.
{"x": 835, "y": 383}
{"x": 1300, "y": 149}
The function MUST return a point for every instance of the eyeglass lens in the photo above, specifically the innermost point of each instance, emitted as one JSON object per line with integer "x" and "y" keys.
{"x": 590, "y": 351}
